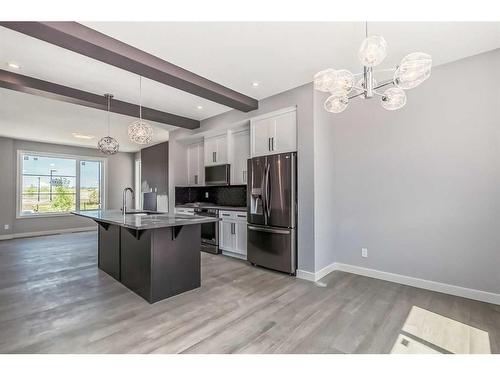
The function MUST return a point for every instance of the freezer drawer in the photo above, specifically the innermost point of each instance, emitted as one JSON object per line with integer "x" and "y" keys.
{"x": 271, "y": 247}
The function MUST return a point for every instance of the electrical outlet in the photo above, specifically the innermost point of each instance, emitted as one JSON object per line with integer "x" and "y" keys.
{"x": 364, "y": 252}
{"x": 6, "y": 227}
{"x": 206, "y": 194}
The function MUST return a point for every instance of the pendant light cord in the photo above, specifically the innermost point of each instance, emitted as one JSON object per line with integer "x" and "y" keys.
{"x": 109, "y": 107}
{"x": 140, "y": 98}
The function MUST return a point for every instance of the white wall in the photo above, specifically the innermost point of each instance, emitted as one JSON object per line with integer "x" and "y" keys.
{"x": 119, "y": 174}
{"x": 302, "y": 97}
{"x": 419, "y": 187}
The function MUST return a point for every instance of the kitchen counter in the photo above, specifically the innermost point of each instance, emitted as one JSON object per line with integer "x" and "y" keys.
{"x": 156, "y": 255}
{"x": 142, "y": 220}
{"x": 211, "y": 205}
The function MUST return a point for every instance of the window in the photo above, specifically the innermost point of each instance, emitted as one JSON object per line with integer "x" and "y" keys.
{"x": 55, "y": 184}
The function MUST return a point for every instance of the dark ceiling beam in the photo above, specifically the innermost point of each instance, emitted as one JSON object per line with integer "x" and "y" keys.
{"x": 30, "y": 85}
{"x": 89, "y": 42}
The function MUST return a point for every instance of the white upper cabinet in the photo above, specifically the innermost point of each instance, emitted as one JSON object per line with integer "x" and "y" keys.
{"x": 240, "y": 155}
{"x": 274, "y": 133}
{"x": 262, "y": 132}
{"x": 285, "y": 135}
{"x": 196, "y": 167}
{"x": 216, "y": 149}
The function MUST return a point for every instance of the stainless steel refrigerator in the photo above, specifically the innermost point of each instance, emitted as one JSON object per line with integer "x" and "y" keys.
{"x": 272, "y": 212}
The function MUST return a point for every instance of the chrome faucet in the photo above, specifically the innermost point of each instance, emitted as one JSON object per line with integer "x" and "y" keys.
{"x": 124, "y": 202}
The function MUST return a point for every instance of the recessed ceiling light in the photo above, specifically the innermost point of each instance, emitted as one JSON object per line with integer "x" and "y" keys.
{"x": 199, "y": 106}
{"x": 82, "y": 136}
{"x": 13, "y": 65}
{"x": 255, "y": 84}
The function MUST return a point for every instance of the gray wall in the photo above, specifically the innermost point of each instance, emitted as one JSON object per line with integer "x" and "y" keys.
{"x": 302, "y": 97}
{"x": 119, "y": 174}
{"x": 419, "y": 187}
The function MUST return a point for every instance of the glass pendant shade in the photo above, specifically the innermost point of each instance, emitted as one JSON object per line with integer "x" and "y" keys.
{"x": 108, "y": 145}
{"x": 373, "y": 51}
{"x": 394, "y": 98}
{"x": 344, "y": 80}
{"x": 324, "y": 80}
{"x": 414, "y": 69}
{"x": 336, "y": 104}
{"x": 140, "y": 132}
{"x": 334, "y": 81}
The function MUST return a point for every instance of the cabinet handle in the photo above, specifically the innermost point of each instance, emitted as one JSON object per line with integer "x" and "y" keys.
{"x": 196, "y": 179}
{"x": 233, "y": 230}
{"x": 269, "y": 144}
{"x": 213, "y": 156}
{"x": 272, "y": 144}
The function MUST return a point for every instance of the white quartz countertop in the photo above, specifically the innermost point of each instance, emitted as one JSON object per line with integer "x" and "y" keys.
{"x": 142, "y": 220}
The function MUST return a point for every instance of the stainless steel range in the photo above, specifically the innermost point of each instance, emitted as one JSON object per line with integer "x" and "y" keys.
{"x": 209, "y": 231}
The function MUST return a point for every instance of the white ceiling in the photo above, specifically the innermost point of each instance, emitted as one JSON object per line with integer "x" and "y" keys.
{"x": 39, "y": 119}
{"x": 279, "y": 56}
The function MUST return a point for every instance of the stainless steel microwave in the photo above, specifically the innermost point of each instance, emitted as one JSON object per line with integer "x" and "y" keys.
{"x": 217, "y": 175}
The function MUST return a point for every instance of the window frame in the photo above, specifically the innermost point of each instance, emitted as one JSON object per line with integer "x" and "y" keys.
{"x": 78, "y": 159}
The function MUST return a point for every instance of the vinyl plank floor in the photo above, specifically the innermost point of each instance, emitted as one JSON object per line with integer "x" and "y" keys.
{"x": 53, "y": 299}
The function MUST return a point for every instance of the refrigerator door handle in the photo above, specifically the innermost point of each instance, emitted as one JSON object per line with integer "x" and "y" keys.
{"x": 268, "y": 191}
{"x": 268, "y": 230}
{"x": 263, "y": 196}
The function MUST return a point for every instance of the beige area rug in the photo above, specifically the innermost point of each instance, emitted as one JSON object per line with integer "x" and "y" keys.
{"x": 425, "y": 332}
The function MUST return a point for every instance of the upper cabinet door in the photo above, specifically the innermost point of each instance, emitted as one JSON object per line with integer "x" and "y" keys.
{"x": 210, "y": 151}
{"x": 285, "y": 138}
{"x": 195, "y": 164}
{"x": 221, "y": 157}
{"x": 216, "y": 150}
{"x": 274, "y": 133}
{"x": 261, "y": 132}
{"x": 241, "y": 147}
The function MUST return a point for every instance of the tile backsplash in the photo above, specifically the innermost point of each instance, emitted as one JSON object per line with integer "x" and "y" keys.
{"x": 221, "y": 195}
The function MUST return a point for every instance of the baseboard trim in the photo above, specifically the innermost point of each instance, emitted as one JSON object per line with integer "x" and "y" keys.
{"x": 435, "y": 286}
{"x": 47, "y": 233}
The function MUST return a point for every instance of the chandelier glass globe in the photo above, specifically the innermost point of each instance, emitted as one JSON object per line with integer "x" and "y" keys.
{"x": 393, "y": 99}
{"x": 336, "y": 104}
{"x": 373, "y": 51}
{"x": 324, "y": 80}
{"x": 414, "y": 69}
{"x": 140, "y": 132}
{"x": 344, "y": 80}
{"x": 108, "y": 145}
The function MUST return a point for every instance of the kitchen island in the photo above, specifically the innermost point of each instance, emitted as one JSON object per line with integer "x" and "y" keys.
{"x": 155, "y": 255}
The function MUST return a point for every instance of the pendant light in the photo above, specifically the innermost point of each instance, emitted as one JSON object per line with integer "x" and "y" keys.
{"x": 139, "y": 131}
{"x": 413, "y": 69}
{"x": 108, "y": 145}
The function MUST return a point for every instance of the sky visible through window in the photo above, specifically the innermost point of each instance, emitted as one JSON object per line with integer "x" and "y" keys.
{"x": 49, "y": 184}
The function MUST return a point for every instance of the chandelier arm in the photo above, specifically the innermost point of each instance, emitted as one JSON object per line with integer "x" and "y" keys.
{"x": 356, "y": 95}
{"x": 383, "y": 84}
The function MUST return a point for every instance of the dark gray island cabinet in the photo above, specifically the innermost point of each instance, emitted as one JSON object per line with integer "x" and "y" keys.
{"x": 155, "y": 255}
